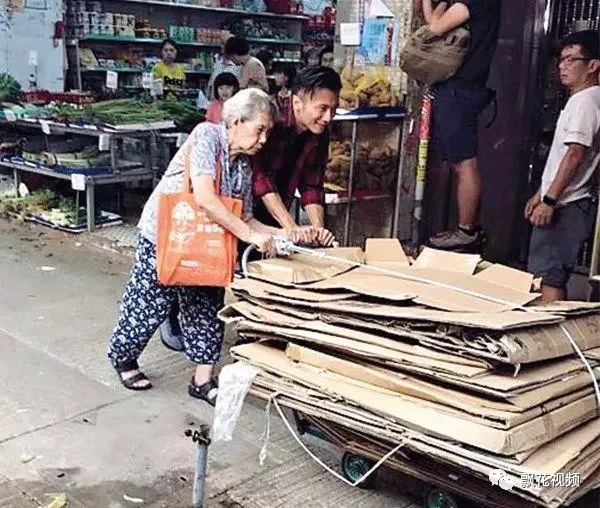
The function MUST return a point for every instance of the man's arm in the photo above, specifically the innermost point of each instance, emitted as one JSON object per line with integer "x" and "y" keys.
{"x": 312, "y": 182}
{"x": 316, "y": 215}
{"x": 274, "y": 205}
{"x": 566, "y": 171}
{"x": 264, "y": 188}
{"x": 541, "y": 215}
{"x": 443, "y": 21}
{"x": 427, "y": 10}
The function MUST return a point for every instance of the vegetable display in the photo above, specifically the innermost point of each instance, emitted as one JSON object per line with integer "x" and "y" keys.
{"x": 112, "y": 112}
{"x": 131, "y": 111}
{"x": 46, "y": 204}
{"x": 10, "y": 89}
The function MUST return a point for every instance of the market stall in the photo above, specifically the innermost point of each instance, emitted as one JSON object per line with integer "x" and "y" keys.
{"x": 124, "y": 36}
{"x": 87, "y": 144}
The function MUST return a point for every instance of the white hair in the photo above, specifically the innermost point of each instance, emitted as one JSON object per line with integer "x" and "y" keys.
{"x": 245, "y": 105}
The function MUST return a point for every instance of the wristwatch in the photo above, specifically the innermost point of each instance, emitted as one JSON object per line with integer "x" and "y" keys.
{"x": 547, "y": 200}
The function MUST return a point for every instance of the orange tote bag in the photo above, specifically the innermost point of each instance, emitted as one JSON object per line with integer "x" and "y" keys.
{"x": 191, "y": 249}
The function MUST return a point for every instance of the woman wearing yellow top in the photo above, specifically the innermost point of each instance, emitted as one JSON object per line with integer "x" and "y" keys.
{"x": 172, "y": 74}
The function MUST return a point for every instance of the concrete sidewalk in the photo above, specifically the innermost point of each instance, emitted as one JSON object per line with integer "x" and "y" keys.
{"x": 63, "y": 408}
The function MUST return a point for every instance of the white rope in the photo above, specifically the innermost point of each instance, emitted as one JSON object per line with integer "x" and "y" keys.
{"x": 317, "y": 459}
{"x": 584, "y": 360}
{"x": 285, "y": 247}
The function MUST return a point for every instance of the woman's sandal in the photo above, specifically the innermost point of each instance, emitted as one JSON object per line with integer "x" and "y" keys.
{"x": 131, "y": 382}
{"x": 206, "y": 392}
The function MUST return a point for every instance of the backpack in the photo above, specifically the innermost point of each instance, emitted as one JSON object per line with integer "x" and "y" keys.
{"x": 431, "y": 58}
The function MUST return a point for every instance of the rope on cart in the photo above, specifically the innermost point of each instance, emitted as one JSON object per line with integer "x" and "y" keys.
{"x": 584, "y": 360}
{"x": 383, "y": 459}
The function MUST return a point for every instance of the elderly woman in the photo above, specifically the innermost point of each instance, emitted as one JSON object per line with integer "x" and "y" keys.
{"x": 247, "y": 121}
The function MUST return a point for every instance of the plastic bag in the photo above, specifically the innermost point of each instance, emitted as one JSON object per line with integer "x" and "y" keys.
{"x": 234, "y": 382}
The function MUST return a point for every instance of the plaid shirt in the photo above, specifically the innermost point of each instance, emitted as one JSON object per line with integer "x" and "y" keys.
{"x": 291, "y": 161}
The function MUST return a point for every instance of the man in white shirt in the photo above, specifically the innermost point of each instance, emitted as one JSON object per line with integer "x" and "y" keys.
{"x": 563, "y": 210}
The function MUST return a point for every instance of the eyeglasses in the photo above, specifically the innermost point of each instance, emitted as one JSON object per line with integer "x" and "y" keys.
{"x": 570, "y": 60}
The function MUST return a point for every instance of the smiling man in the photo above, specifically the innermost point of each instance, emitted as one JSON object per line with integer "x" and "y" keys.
{"x": 564, "y": 208}
{"x": 295, "y": 156}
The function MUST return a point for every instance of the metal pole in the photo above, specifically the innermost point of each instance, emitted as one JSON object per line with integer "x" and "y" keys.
{"x": 350, "y": 183}
{"x": 78, "y": 66}
{"x": 17, "y": 181}
{"x": 405, "y": 124}
{"x": 424, "y": 129}
{"x": 202, "y": 439}
{"x": 90, "y": 204}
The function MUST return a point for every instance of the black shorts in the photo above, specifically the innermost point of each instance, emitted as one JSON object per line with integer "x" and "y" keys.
{"x": 456, "y": 109}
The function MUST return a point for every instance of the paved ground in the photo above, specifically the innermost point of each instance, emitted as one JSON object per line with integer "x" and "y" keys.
{"x": 62, "y": 407}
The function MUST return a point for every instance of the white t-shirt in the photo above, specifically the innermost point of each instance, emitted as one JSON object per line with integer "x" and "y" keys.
{"x": 578, "y": 123}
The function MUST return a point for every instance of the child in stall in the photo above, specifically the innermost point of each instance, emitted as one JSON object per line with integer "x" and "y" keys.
{"x": 284, "y": 79}
{"x": 226, "y": 86}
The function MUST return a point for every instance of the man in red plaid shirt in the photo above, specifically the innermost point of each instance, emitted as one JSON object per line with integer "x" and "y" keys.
{"x": 295, "y": 156}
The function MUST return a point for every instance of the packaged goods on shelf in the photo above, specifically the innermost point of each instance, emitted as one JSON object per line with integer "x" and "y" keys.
{"x": 259, "y": 29}
{"x": 250, "y": 5}
{"x": 369, "y": 87}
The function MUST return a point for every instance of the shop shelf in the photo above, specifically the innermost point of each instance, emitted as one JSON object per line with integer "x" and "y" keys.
{"x": 290, "y": 42}
{"x": 287, "y": 60}
{"x": 183, "y": 5}
{"x": 144, "y": 40}
{"x": 133, "y": 70}
{"x": 116, "y": 69}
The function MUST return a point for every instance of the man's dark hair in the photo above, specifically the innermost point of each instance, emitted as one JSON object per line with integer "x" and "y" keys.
{"x": 589, "y": 40}
{"x": 225, "y": 79}
{"x": 237, "y": 46}
{"x": 169, "y": 41}
{"x": 308, "y": 81}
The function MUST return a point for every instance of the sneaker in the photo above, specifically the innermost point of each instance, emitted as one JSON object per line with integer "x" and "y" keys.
{"x": 170, "y": 339}
{"x": 460, "y": 240}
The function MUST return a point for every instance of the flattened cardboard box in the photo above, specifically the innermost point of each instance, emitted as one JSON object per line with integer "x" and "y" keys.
{"x": 426, "y": 418}
{"x": 526, "y": 344}
{"x": 431, "y": 286}
{"x": 496, "y": 414}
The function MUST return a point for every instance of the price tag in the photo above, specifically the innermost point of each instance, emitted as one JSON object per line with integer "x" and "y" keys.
{"x": 112, "y": 80}
{"x": 350, "y": 34}
{"x": 157, "y": 87}
{"x": 77, "y": 181}
{"x": 147, "y": 80}
{"x": 181, "y": 137}
{"x": 45, "y": 126}
{"x": 33, "y": 58}
{"x": 10, "y": 115}
{"x": 104, "y": 142}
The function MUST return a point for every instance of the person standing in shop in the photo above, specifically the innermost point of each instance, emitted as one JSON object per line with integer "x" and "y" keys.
{"x": 221, "y": 65}
{"x": 253, "y": 73}
{"x": 171, "y": 73}
{"x": 326, "y": 56}
{"x": 563, "y": 210}
{"x": 296, "y": 154}
{"x": 284, "y": 79}
{"x": 226, "y": 86}
{"x": 457, "y": 105}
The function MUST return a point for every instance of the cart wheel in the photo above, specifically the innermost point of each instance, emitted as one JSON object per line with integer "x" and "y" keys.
{"x": 354, "y": 466}
{"x": 438, "y": 498}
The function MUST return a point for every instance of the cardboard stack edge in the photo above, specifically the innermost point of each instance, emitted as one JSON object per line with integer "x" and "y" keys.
{"x": 471, "y": 383}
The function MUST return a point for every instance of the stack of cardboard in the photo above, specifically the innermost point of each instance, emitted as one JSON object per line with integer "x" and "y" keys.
{"x": 450, "y": 355}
